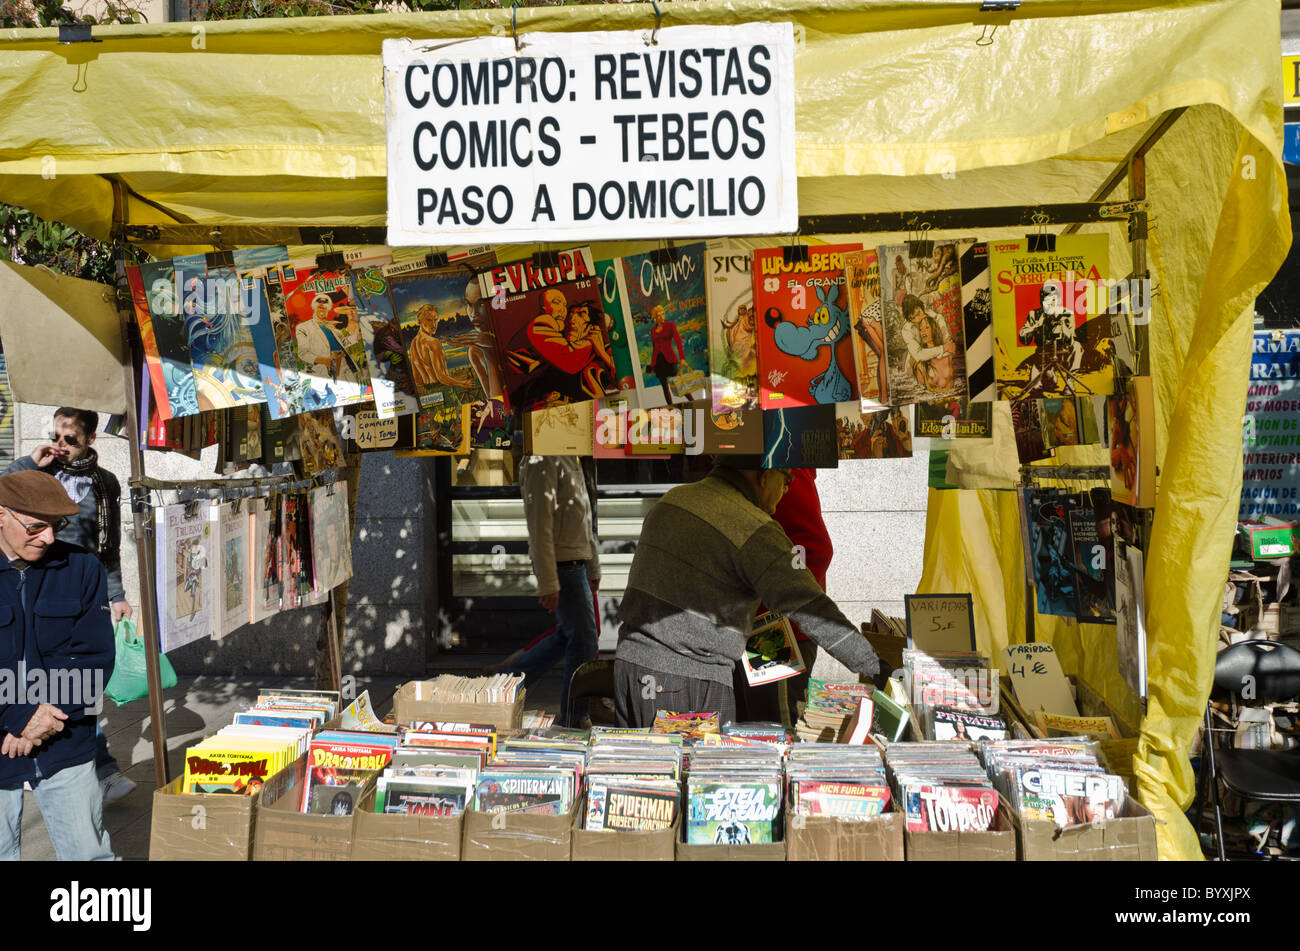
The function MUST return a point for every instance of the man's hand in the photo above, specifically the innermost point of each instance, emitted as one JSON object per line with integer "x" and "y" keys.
{"x": 550, "y": 601}
{"x": 45, "y": 453}
{"x": 120, "y": 609}
{"x": 45, "y": 722}
{"x": 15, "y": 746}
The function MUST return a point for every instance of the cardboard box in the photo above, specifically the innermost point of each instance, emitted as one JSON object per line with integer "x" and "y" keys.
{"x": 765, "y": 852}
{"x": 411, "y": 703}
{"x": 201, "y": 826}
{"x": 625, "y": 846}
{"x": 1280, "y": 620}
{"x": 832, "y": 839}
{"x": 283, "y": 834}
{"x": 1131, "y": 838}
{"x": 507, "y": 837}
{"x": 395, "y": 838}
{"x": 997, "y": 845}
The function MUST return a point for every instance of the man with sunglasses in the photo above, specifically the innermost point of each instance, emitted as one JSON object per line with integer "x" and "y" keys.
{"x": 709, "y": 552}
{"x": 96, "y": 526}
{"x": 56, "y": 649}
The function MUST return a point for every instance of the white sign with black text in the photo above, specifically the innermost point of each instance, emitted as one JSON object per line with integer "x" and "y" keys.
{"x": 588, "y": 136}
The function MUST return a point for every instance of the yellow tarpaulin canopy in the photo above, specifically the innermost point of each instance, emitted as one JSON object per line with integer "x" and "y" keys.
{"x": 900, "y": 106}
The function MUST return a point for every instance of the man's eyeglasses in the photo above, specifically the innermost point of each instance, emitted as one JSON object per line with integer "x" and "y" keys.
{"x": 72, "y": 442}
{"x": 35, "y": 528}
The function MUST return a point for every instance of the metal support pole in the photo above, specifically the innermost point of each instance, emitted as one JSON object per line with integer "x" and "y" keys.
{"x": 141, "y": 515}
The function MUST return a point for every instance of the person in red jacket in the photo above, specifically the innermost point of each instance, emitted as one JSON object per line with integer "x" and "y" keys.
{"x": 800, "y": 514}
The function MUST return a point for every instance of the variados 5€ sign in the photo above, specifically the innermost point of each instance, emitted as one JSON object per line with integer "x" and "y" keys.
{"x": 584, "y": 136}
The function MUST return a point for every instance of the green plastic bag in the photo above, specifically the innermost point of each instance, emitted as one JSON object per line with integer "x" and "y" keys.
{"x": 130, "y": 680}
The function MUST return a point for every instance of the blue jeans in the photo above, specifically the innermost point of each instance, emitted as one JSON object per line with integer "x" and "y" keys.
{"x": 73, "y": 808}
{"x": 575, "y": 639}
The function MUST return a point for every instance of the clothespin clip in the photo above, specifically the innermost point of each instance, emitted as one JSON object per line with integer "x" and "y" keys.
{"x": 659, "y": 19}
{"x": 546, "y": 258}
{"x": 514, "y": 28}
{"x": 330, "y": 489}
{"x": 236, "y": 504}
{"x": 667, "y": 254}
{"x": 796, "y": 252}
{"x": 435, "y": 259}
{"x": 920, "y": 246}
{"x": 1042, "y": 240}
{"x": 191, "y": 509}
{"x": 329, "y": 259}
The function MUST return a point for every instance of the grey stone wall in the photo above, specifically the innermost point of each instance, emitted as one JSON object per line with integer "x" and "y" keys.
{"x": 386, "y": 631}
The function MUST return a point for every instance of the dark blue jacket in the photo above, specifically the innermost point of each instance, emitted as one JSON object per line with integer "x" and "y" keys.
{"x": 83, "y": 528}
{"x": 54, "y": 618}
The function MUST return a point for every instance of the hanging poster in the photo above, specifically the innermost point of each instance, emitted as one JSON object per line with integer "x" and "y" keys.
{"x": 185, "y": 578}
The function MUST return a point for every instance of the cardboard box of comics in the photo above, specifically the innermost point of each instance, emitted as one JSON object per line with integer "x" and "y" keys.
{"x": 1128, "y": 838}
{"x": 732, "y": 822}
{"x": 404, "y": 838}
{"x": 283, "y": 833}
{"x": 518, "y": 837}
{"x": 996, "y": 844}
{"x": 412, "y": 703}
{"x": 836, "y": 838}
{"x": 615, "y": 844}
{"x": 205, "y": 826}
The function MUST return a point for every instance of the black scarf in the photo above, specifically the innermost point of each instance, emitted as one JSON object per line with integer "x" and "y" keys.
{"x": 109, "y": 534}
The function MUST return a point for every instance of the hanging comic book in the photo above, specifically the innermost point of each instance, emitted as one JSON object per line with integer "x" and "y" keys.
{"x": 1051, "y": 335}
{"x": 266, "y": 539}
{"x": 185, "y": 586}
{"x": 805, "y": 357}
{"x": 1093, "y": 563}
{"x": 250, "y": 266}
{"x": 164, "y": 298}
{"x": 331, "y": 536}
{"x": 879, "y": 434}
{"x": 800, "y": 438}
{"x": 550, "y": 331}
{"x": 924, "y": 323}
{"x": 1027, "y": 422}
{"x": 441, "y": 431}
{"x": 977, "y": 320}
{"x": 160, "y": 405}
{"x": 1052, "y": 559}
{"x": 666, "y": 307}
{"x": 321, "y": 447}
{"x": 235, "y": 588}
{"x": 862, "y": 274}
{"x": 1130, "y": 616}
{"x": 381, "y": 335}
{"x": 954, "y": 419}
{"x": 733, "y": 336}
{"x": 1130, "y": 421}
{"x": 627, "y": 370}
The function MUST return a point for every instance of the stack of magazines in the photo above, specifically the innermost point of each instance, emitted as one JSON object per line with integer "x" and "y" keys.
{"x": 633, "y": 781}
{"x": 941, "y": 787}
{"x": 955, "y": 694}
{"x": 535, "y": 775}
{"x": 434, "y": 769}
{"x": 832, "y": 779}
{"x": 734, "y": 795}
{"x": 1057, "y": 780}
{"x": 451, "y": 688}
{"x": 342, "y": 765}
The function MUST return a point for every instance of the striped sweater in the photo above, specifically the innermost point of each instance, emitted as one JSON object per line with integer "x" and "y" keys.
{"x": 707, "y": 555}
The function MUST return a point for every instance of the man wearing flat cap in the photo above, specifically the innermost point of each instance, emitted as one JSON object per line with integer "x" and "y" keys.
{"x": 56, "y": 649}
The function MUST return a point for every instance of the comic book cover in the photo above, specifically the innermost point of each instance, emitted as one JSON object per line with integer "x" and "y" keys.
{"x": 1094, "y": 572}
{"x": 622, "y": 346}
{"x": 953, "y": 724}
{"x": 249, "y": 267}
{"x": 543, "y": 792}
{"x": 1052, "y": 560}
{"x": 613, "y": 806}
{"x": 736, "y": 432}
{"x": 564, "y": 430}
{"x": 265, "y": 536}
{"x": 381, "y": 335}
{"x": 319, "y": 309}
{"x": 977, "y": 320}
{"x": 294, "y": 383}
{"x": 1027, "y": 423}
{"x": 666, "y": 309}
{"x": 1060, "y": 416}
{"x": 862, "y": 276}
{"x": 550, "y": 330}
{"x": 954, "y": 419}
{"x": 152, "y": 358}
{"x": 810, "y": 797}
{"x": 236, "y": 588}
{"x": 732, "y": 813}
{"x": 321, "y": 448}
{"x": 440, "y": 431}
{"x": 938, "y": 807}
{"x": 805, "y": 356}
{"x": 1068, "y": 797}
{"x": 1047, "y": 341}
{"x": 691, "y": 726}
{"x": 733, "y": 336}
{"x": 228, "y": 771}
{"x": 924, "y": 323}
{"x": 802, "y": 437}
{"x": 771, "y": 652}
{"x": 165, "y": 298}
{"x": 451, "y": 353}
{"x": 334, "y": 791}
{"x": 1130, "y": 420}
{"x": 331, "y": 536}
{"x": 880, "y": 434}
{"x": 184, "y": 554}
{"x": 421, "y": 796}
{"x": 1130, "y": 616}
{"x": 292, "y": 568}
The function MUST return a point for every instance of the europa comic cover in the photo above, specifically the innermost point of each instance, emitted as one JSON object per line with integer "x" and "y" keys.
{"x": 451, "y": 351}
{"x": 733, "y": 336}
{"x": 1046, "y": 341}
{"x": 184, "y": 558}
{"x": 879, "y": 434}
{"x": 862, "y": 274}
{"x": 924, "y": 323}
{"x": 667, "y": 306}
{"x": 732, "y": 813}
{"x": 550, "y": 331}
{"x": 805, "y": 356}
{"x": 167, "y": 322}
{"x": 802, "y": 437}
